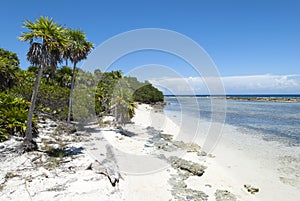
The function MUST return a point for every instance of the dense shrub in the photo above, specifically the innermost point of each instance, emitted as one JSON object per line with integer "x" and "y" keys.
{"x": 83, "y": 105}
{"x": 105, "y": 89}
{"x": 9, "y": 66}
{"x": 13, "y": 113}
{"x": 144, "y": 92}
{"x": 148, "y": 94}
{"x": 51, "y": 99}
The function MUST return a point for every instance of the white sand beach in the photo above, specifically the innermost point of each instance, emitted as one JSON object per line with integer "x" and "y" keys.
{"x": 144, "y": 173}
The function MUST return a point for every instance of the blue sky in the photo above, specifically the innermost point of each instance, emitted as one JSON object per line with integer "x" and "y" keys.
{"x": 243, "y": 38}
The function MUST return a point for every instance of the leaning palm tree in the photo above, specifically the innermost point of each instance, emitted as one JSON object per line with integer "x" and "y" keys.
{"x": 77, "y": 50}
{"x": 45, "y": 37}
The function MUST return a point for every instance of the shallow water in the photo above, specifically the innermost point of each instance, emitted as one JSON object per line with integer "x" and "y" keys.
{"x": 272, "y": 121}
{"x": 266, "y": 132}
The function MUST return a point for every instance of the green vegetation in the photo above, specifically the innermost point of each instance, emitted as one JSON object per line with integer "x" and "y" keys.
{"x": 46, "y": 87}
{"x": 114, "y": 96}
{"x": 13, "y": 112}
{"x": 148, "y": 94}
{"x": 47, "y": 41}
{"x": 144, "y": 92}
{"x": 9, "y": 66}
{"x": 13, "y": 108}
{"x": 77, "y": 49}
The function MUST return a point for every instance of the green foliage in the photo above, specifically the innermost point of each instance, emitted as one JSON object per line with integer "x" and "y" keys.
{"x": 105, "y": 90}
{"x": 24, "y": 85}
{"x": 122, "y": 102}
{"x": 9, "y": 66}
{"x": 51, "y": 99}
{"x": 33, "y": 69}
{"x": 47, "y": 40}
{"x": 144, "y": 92}
{"x": 76, "y": 50}
{"x": 114, "y": 96}
{"x": 13, "y": 112}
{"x": 78, "y": 47}
{"x": 83, "y": 102}
{"x": 148, "y": 94}
{"x": 64, "y": 76}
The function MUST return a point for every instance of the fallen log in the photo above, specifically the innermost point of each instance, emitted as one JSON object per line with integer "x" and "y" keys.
{"x": 107, "y": 167}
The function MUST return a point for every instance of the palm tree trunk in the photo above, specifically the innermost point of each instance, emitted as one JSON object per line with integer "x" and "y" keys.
{"x": 71, "y": 93}
{"x": 29, "y": 144}
{"x": 53, "y": 73}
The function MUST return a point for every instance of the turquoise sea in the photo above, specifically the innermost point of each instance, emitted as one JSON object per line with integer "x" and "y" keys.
{"x": 272, "y": 121}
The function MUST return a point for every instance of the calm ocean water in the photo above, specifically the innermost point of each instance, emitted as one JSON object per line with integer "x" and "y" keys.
{"x": 273, "y": 121}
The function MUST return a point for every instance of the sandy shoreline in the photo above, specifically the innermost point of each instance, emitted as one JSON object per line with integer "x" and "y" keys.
{"x": 145, "y": 173}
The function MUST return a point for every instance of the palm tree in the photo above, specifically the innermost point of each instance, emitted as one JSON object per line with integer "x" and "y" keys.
{"x": 77, "y": 50}
{"x": 45, "y": 37}
{"x": 122, "y": 103}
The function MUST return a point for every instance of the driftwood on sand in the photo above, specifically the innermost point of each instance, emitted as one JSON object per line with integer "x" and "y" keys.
{"x": 108, "y": 166}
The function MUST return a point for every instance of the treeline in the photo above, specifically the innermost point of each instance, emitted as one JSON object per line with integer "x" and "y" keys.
{"x": 51, "y": 90}
{"x": 98, "y": 93}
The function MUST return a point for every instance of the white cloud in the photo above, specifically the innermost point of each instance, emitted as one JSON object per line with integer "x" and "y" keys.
{"x": 254, "y": 84}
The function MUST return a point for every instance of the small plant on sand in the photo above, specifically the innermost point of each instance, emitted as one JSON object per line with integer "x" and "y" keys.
{"x": 57, "y": 152}
{"x": 52, "y": 163}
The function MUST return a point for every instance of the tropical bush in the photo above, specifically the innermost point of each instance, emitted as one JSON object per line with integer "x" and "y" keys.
{"x": 148, "y": 94}
{"x": 144, "y": 92}
{"x": 9, "y": 66}
{"x": 122, "y": 103}
{"x": 114, "y": 96}
{"x": 83, "y": 107}
{"x": 51, "y": 99}
{"x": 104, "y": 91}
{"x": 13, "y": 112}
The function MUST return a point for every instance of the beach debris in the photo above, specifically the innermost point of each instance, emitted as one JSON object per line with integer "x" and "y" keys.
{"x": 188, "y": 166}
{"x": 222, "y": 195}
{"x": 107, "y": 167}
{"x": 251, "y": 189}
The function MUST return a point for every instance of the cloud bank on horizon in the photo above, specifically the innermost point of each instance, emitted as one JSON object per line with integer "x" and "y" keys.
{"x": 252, "y": 84}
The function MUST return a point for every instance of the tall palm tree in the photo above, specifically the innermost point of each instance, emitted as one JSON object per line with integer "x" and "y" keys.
{"x": 77, "y": 50}
{"x": 45, "y": 37}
